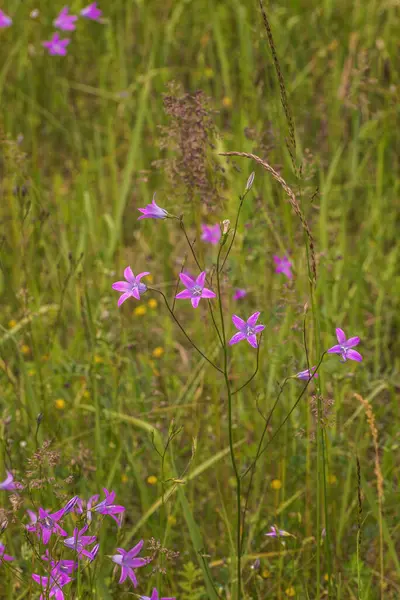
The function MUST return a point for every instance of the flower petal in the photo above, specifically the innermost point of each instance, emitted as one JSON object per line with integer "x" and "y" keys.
{"x": 132, "y": 577}
{"x": 252, "y": 339}
{"x": 129, "y": 276}
{"x": 238, "y": 337}
{"x": 238, "y": 322}
{"x": 253, "y": 319}
{"x": 206, "y": 293}
{"x": 139, "y": 277}
{"x": 201, "y": 279}
{"x": 341, "y": 338}
{"x": 186, "y": 280}
{"x": 335, "y": 349}
{"x": 354, "y": 355}
{"x": 259, "y": 328}
{"x": 184, "y": 294}
{"x": 136, "y": 549}
{"x": 195, "y": 301}
{"x": 121, "y": 286}
{"x": 124, "y": 574}
{"x": 135, "y": 293}
{"x": 124, "y": 297}
{"x": 353, "y": 341}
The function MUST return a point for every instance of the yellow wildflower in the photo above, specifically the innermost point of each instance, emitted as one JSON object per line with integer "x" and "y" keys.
{"x": 152, "y": 303}
{"x": 227, "y": 102}
{"x": 60, "y": 403}
{"x": 171, "y": 520}
{"x": 152, "y": 480}
{"x": 139, "y": 311}
{"x": 25, "y": 349}
{"x": 12, "y": 323}
{"x": 290, "y": 591}
{"x": 124, "y": 478}
{"x": 158, "y": 352}
{"x": 276, "y": 484}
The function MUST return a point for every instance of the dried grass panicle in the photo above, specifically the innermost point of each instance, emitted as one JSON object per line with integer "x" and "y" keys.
{"x": 291, "y": 140}
{"x": 374, "y": 433}
{"x": 188, "y": 137}
{"x": 292, "y": 199}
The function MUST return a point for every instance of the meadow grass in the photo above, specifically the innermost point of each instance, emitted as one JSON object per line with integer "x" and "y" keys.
{"x": 121, "y": 394}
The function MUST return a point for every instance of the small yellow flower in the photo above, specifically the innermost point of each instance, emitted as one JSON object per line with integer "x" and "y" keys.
{"x": 171, "y": 520}
{"x": 158, "y": 352}
{"x": 31, "y": 372}
{"x": 265, "y": 574}
{"x": 290, "y": 591}
{"x": 209, "y": 73}
{"x": 124, "y": 478}
{"x": 12, "y": 323}
{"x": 227, "y": 102}
{"x": 276, "y": 484}
{"x": 60, "y": 403}
{"x": 97, "y": 359}
{"x": 25, "y": 349}
{"x": 152, "y": 480}
{"x": 152, "y": 303}
{"x": 149, "y": 278}
{"x": 332, "y": 479}
{"x": 86, "y": 394}
{"x": 139, "y": 311}
{"x": 326, "y": 577}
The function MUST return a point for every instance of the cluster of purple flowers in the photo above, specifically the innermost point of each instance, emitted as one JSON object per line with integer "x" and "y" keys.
{"x": 59, "y": 572}
{"x": 64, "y": 22}
{"x": 196, "y": 290}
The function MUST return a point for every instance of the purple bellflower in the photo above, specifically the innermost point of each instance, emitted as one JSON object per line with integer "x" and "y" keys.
{"x": 283, "y": 265}
{"x": 247, "y": 330}
{"x": 4, "y": 556}
{"x": 64, "y": 21}
{"x": 132, "y": 287}
{"x": 195, "y": 289}
{"x": 152, "y": 211}
{"x": 64, "y": 567}
{"x": 274, "y": 532}
{"x": 106, "y": 507}
{"x": 82, "y": 507}
{"x": 57, "y": 46}
{"x": 93, "y": 552}
{"x": 211, "y": 234}
{"x": 344, "y": 348}
{"x": 5, "y": 21}
{"x": 239, "y": 294}
{"x": 155, "y": 596}
{"x": 78, "y": 541}
{"x": 8, "y": 484}
{"x": 127, "y": 561}
{"x": 306, "y": 374}
{"x": 52, "y": 585}
{"x": 91, "y": 12}
{"x": 46, "y": 523}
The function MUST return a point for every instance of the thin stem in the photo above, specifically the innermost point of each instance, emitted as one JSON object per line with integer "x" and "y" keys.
{"x": 235, "y": 229}
{"x": 182, "y": 226}
{"x": 184, "y": 332}
{"x": 255, "y": 372}
{"x": 232, "y": 453}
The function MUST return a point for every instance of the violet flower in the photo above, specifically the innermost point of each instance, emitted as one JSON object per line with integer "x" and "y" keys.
{"x": 91, "y": 12}
{"x": 155, "y": 596}
{"x": 81, "y": 507}
{"x": 63, "y": 567}
{"x": 93, "y": 552}
{"x": 5, "y": 20}
{"x": 3, "y": 556}
{"x": 283, "y": 265}
{"x": 57, "y": 46}
{"x": 344, "y": 348}
{"x": 106, "y": 507}
{"x": 132, "y": 287}
{"x": 247, "y": 329}
{"x": 211, "y": 234}
{"x": 239, "y": 294}
{"x": 8, "y": 484}
{"x": 152, "y": 211}
{"x": 307, "y": 374}
{"x": 78, "y": 541}
{"x": 127, "y": 561}
{"x": 52, "y": 585}
{"x": 64, "y": 21}
{"x": 46, "y": 523}
{"x": 195, "y": 289}
{"x": 274, "y": 532}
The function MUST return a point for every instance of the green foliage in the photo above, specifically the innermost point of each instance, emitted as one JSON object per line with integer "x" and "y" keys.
{"x": 190, "y": 586}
